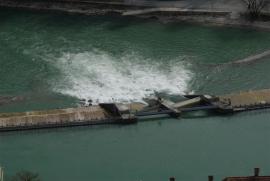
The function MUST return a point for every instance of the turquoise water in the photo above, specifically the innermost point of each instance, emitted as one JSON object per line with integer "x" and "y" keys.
{"x": 53, "y": 60}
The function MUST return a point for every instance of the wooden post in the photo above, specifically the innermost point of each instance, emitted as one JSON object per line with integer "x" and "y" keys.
{"x": 256, "y": 172}
{"x": 210, "y": 178}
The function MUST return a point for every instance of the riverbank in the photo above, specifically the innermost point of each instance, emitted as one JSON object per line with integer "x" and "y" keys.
{"x": 167, "y": 12}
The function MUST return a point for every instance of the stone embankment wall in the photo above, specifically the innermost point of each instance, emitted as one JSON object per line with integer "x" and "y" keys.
{"x": 215, "y": 12}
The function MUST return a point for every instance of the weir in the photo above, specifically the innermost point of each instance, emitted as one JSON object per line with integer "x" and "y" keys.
{"x": 118, "y": 113}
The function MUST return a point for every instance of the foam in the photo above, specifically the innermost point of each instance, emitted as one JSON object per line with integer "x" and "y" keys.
{"x": 102, "y": 77}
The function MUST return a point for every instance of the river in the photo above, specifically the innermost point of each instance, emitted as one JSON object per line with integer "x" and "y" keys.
{"x": 52, "y": 60}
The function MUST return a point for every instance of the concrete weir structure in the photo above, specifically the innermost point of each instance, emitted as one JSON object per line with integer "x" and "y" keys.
{"x": 109, "y": 113}
{"x": 92, "y": 115}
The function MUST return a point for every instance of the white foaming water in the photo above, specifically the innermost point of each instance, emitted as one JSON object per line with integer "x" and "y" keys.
{"x": 103, "y": 78}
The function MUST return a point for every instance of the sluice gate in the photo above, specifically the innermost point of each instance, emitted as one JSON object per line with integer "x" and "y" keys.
{"x": 118, "y": 113}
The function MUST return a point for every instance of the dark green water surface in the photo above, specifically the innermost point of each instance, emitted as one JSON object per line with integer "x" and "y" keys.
{"x": 52, "y": 60}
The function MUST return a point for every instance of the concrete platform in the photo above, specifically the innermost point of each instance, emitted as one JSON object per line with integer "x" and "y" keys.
{"x": 63, "y": 117}
{"x": 247, "y": 99}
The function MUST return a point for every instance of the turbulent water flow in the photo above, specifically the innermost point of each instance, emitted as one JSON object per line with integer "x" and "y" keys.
{"x": 101, "y": 77}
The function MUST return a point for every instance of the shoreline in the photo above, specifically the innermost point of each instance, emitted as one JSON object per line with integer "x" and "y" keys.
{"x": 162, "y": 14}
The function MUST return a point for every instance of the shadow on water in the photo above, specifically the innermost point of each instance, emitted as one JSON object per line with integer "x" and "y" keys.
{"x": 238, "y": 33}
{"x": 79, "y": 129}
{"x": 180, "y": 26}
{"x": 247, "y": 114}
{"x": 63, "y": 20}
{"x": 6, "y": 14}
{"x": 61, "y": 130}
{"x": 53, "y": 19}
{"x": 124, "y": 22}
